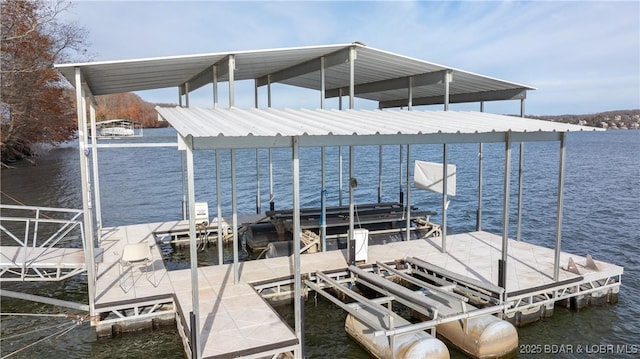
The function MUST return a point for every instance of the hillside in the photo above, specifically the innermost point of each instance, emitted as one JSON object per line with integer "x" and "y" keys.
{"x": 128, "y": 106}
{"x": 622, "y": 119}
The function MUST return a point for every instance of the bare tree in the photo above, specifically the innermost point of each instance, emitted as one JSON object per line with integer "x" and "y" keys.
{"x": 36, "y": 106}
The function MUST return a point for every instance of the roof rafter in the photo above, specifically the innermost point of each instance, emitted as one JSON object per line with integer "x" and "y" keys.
{"x": 330, "y": 60}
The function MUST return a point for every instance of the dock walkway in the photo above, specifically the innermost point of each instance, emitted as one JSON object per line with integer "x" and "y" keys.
{"x": 237, "y": 321}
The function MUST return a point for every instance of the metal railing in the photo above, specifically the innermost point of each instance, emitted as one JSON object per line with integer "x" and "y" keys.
{"x": 34, "y": 238}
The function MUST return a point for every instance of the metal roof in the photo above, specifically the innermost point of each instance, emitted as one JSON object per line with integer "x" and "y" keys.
{"x": 378, "y": 75}
{"x": 261, "y": 128}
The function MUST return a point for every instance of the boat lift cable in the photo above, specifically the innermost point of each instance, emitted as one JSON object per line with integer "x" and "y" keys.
{"x": 54, "y": 326}
{"x": 65, "y": 329}
{"x": 20, "y": 202}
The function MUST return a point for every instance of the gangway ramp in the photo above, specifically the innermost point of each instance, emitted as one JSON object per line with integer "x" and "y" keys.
{"x": 440, "y": 311}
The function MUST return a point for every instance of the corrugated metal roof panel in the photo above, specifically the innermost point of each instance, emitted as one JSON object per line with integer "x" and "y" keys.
{"x": 371, "y": 65}
{"x": 241, "y": 125}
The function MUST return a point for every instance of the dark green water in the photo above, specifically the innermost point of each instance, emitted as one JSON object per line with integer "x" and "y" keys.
{"x": 601, "y": 217}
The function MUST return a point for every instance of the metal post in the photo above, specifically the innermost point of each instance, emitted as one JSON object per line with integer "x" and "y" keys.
{"x": 350, "y": 239}
{"x": 323, "y": 202}
{"x": 86, "y": 192}
{"x": 556, "y": 261}
{"x": 408, "y": 184}
{"x": 219, "y": 209}
{"x": 215, "y": 86}
{"x": 186, "y": 95}
{"x": 269, "y": 91}
{"x": 234, "y": 216}
{"x": 479, "y": 210}
{"x": 96, "y": 177}
{"x": 297, "y": 302}
{"x": 447, "y": 80}
{"x": 502, "y": 265}
{"x": 352, "y": 59}
{"x": 255, "y": 93}
{"x": 272, "y": 204}
{"x": 232, "y": 67}
{"x": 340, "y": 175}
{"x": 401, "y": 199}
{"x": 379, "y": 173}
{"x": 520, "y": 187}
{"x": 445, "y": 175}
{"x": 193, "y": 249}
{"x": 410, "y": 94}
{"x": 184, "y": 188}
{"x": 340, "y": 99}
{"x": 258, "y": 204}
{"x": 180, "y": 96}
{"x": 322, "y": 82}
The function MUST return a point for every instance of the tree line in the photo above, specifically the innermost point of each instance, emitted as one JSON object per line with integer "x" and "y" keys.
{"x": 128, "y": 106}
{"x": 35, "y": 103}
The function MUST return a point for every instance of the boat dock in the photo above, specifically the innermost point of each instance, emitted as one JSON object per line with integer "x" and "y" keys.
{"x": 237, "y": 319}
{"x": 221, "y": 310}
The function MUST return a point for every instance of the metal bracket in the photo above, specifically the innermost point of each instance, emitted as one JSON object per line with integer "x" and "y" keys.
{"x": 571, "y": 267}
{"x": 591, "y": 264}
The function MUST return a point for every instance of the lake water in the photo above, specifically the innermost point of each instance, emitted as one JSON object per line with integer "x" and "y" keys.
{"x": 601, "y": 218}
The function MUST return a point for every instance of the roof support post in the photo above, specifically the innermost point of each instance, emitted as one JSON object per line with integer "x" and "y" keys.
{"x": 219, "y": 209}
{"x": 445, "y": 206}
{"x": 352, "y": 68}
{"x": 520, "y": 188}
{"x": 351, "y": 258}
{"x": 502, "y": 265}
{"x": 400, "y": 191}
{"x": 297, "y": 283}
{"x": 87, "y": 216}
{"x": 255, "y": 93}
{"x": 522, "y": 106}
{"x": 480, "y": 158}
{"x": 408, "y": 224}
{"x": 323, "y": 201}
{"x": 340, "y": 99}
{"x": 186, "y": 94}
{"x": 269, "y": 91}
{"x": 96, "y": 177}
{"x": 339, "y": 175}
{"x": 234, "y": 216}
{"x": 556, "y": 260}
{"x": 379, "y": 173}
{"x": 447, "y": 80}
{"x": 258, "y": 204}
{"x": 215, "y": 86}
{"x": 193, "y": 249}
{"x": 232, "y": 67}
{"x": 410, "y": 93}
{"x": 322, "y": 83}
{"x": 479, "y": 210}
{"x": 180, "y": 91}
{"x": 272, "y": 205}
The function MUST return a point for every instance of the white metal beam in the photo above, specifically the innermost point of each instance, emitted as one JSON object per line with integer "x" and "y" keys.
{"x": 496, "y": 95}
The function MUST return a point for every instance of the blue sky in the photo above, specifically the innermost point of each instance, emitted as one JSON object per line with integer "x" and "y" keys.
{"x": 583, "y": 57}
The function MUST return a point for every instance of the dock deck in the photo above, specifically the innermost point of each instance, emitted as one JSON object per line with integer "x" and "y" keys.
{"x": 237, "y": 321}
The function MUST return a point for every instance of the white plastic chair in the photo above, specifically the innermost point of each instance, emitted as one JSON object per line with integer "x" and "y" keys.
{"x": 136, "y": 255}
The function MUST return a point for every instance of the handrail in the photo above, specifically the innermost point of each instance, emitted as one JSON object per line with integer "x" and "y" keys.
{"x": 31, "y": 243}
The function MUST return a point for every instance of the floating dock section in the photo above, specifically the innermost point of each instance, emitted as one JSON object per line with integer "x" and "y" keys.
{"x": 453, "y": 295}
